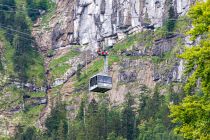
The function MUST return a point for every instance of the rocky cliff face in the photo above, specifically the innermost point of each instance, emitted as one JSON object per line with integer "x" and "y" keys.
{"x": 75, "y": 29}
{"x": 86, "y": 22}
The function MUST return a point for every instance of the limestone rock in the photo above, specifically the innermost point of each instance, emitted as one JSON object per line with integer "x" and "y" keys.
{"x": 89, "y": 21}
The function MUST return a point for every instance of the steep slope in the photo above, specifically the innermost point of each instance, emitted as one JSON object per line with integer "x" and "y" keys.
{"x": 85, "y": 23}
{"x": 143, "y": 36}
{"x": 22, "y": 72}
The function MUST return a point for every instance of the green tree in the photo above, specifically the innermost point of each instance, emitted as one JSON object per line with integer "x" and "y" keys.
{"x": 146, "y": 130}
{"x": 7, "y": 19}
{"x": 29, "y": 134}
{"x": 78, "y": 72}
{"x": 149, "y": 106}
{"x": 80, "y": 114}
{"x": 102, "y": 120}
{"x": 1, "y": 65}
{"x": 80, "y": 125}
{"x": 28, "y": 63}
{"x": 44, "y": 4}
{"x": 128, "y": 118}
{"x": 57, "y": 120}
{"x": 192, "y": 114}
{"x": 33, "y": 14}
{"x": 23, "y": 48}
{"x": 170, "y": 23}
{"x": 92, "y": 121}
{"x": 112, "y": 136}
{"x": 38, "y": 5}
{"x": 61, "y": 131}
{"x": 114, "y": 122}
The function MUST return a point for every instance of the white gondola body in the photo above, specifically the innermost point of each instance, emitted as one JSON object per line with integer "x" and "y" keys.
{"x": 100, "y": 83}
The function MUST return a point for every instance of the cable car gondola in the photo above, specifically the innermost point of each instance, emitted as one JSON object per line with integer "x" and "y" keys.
{"x": 101, "y": 82}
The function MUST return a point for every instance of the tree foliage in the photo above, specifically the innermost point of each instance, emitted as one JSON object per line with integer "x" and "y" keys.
{"x": 36, "y": 7}
{"x": 30, "y": 133}
{"x": 56, "y": 123}
{"x": 192, "y": 114}
{"x": 97, "y": 120}
{"x": 5, "y": 16}
{"x": 22, "y": 47}
{"x": 27, "y": 62}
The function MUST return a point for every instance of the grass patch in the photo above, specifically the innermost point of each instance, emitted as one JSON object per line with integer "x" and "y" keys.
{"x": 182, "y": 25}
{"x": 144, "y": 37}
{"x": 165, "y": 56}
{"x": 59, "y": 66}
{"x": 47, "y": 16}
{"x": 56, "y": 90}
{"x": 129, "y": 41}
{"x": 8, "y": 53}
{"x": 156, "y": 60}
{"x": 36, "y": 72}
{"x": 37, "y": 94}
{"x": 112, "y": 59}
{"x": 60, "y": 70}
{"x": 29, "y": 118}
{"x": 13, "y": 97}
{"x": 64, "y": 58}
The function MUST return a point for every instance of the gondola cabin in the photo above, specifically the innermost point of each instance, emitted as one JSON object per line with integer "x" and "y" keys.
{"x": 100, "y": 83}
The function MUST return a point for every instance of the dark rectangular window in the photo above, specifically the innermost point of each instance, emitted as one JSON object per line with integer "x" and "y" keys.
{"x": 104, "y": 79}
{"x": 93, "y": 81}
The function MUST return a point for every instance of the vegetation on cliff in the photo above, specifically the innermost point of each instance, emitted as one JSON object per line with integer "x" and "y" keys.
{"x": 22, "y": 71}
{"x": 192, "y": 114}
{"x": 144, "y": 113}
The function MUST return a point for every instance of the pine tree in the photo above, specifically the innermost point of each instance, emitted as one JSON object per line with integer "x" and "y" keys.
{"x": 23, "y": 48}
{"x": 92, "y": 121}
{"x": 128, "y": 118}
{"x": 44, "y": 4}
{"x": 114, "y": 122}
{"x": 56, "y": 119}
{"x": 29, "y": 134}
{"x": 36, "y": 4}
{"x": 81, "y": 122}
{"x": 170, "y": 23}
{"x": 7, "y": 19}
{"x": 102, "y": 116}
{"x": 80, "y": 115}
{"x": 78, "y": 72}
{"x": 61, "y": 132}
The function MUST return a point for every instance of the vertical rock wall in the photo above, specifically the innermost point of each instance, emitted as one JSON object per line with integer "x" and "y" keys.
{"x": 90, "y": 21}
